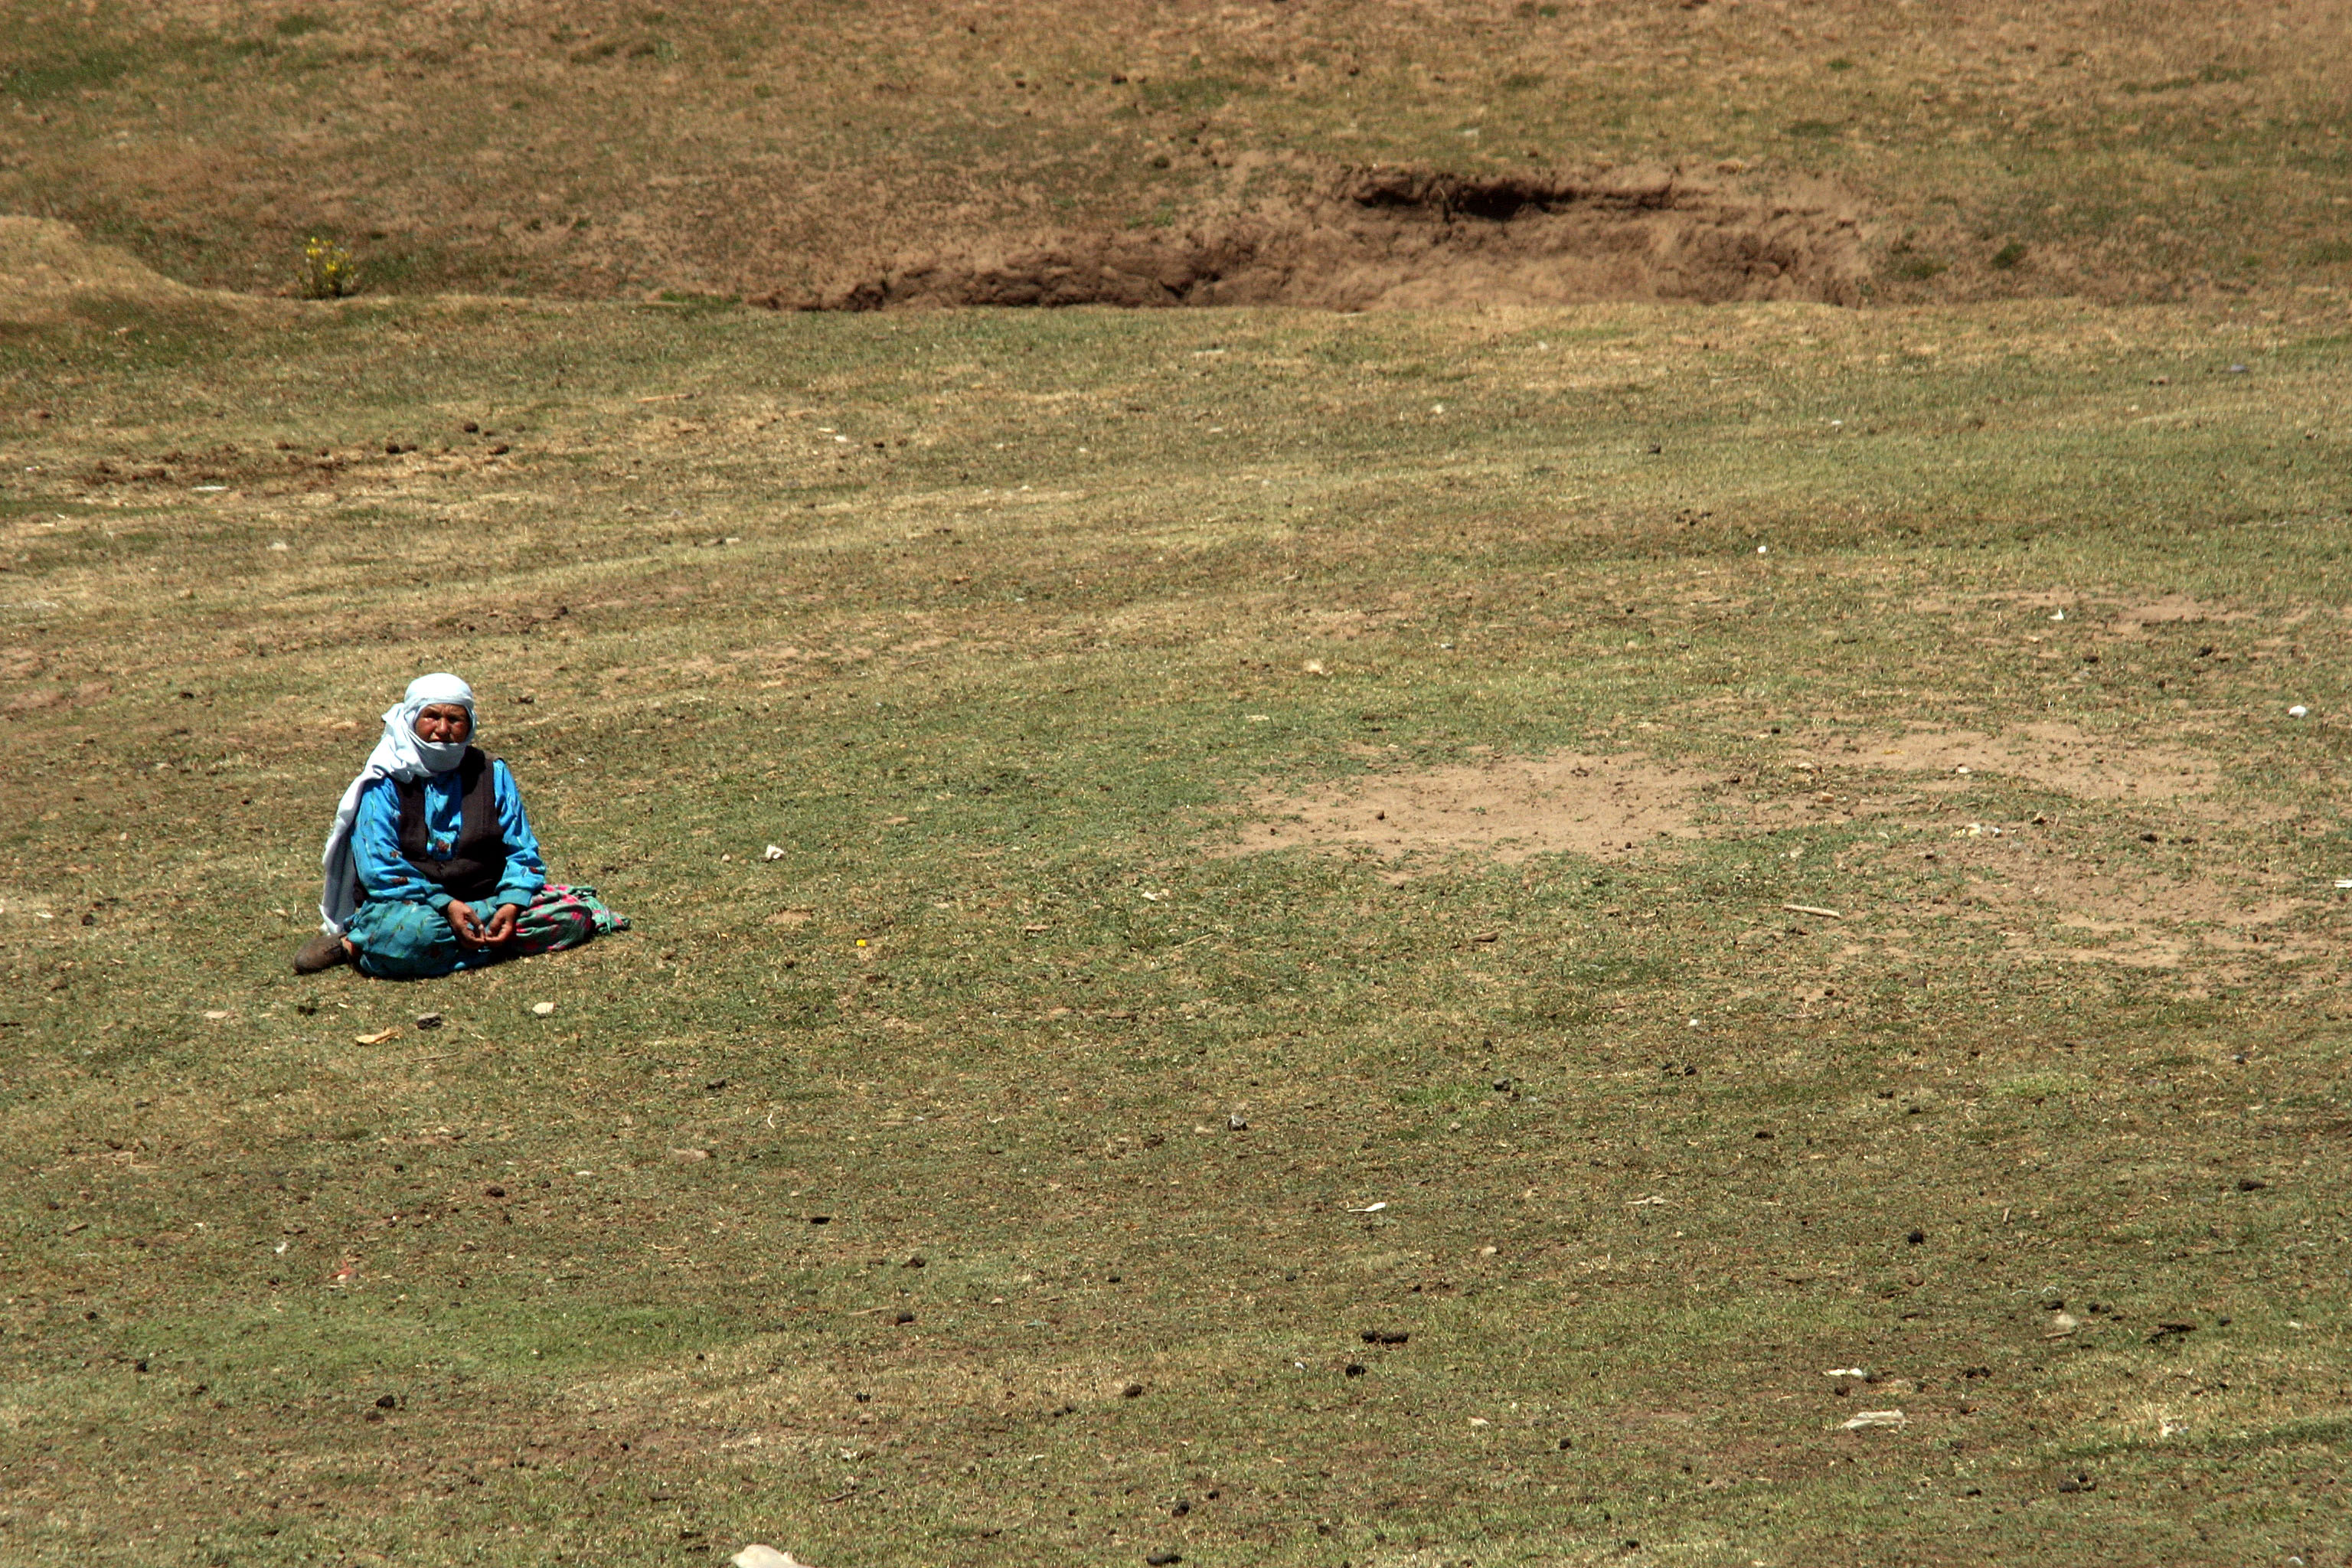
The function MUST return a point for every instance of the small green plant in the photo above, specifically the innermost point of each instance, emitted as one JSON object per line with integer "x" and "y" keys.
{"x": 329, "y": 271}
{"x": 2006, "y": 259}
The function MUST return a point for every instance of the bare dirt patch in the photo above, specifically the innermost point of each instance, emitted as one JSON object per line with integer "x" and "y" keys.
{"x": 2057, "y": 756}
{"x": 2179, "y": 907}
{"x": 1383, "y": 237}
{"x": 1609, "y": 806}
{"x": 1505, "y": 809}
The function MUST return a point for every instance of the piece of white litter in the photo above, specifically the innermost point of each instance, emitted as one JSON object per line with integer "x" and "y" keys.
{"x": 210, "y": 489}
{"x": 1862, "y": 1418}
{"x": 760, "y": 1554}
{"x": 2344, "y": 882}
{"x": 2059, "y": 617}
{"x": 771, "y": 853}
{"x": 1845, "y": 1372}
{"x": 2297, "y": 712}
{"x": 1369, "y": 1208}
{"x": 1763, "y": 550}
{"x": 542, "y": 1008}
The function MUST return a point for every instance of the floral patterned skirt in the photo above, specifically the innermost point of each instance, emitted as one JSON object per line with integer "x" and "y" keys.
{"x": 400, "y": 941}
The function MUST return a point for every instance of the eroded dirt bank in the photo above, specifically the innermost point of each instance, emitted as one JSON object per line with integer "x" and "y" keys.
{"x": 1375, "y": 237}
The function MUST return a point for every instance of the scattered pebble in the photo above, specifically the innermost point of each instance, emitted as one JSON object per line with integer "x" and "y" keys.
{"x": 758, "y": 1554}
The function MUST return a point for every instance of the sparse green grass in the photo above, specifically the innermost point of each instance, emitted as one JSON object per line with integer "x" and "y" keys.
{"x": 1027, "y": 605}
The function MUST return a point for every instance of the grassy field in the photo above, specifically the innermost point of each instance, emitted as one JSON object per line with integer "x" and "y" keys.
{"x": 886, "y": 1201}
{"x": 588, "y": 148}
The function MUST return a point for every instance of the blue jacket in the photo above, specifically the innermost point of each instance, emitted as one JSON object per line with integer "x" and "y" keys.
{"x": 386, "y": 874}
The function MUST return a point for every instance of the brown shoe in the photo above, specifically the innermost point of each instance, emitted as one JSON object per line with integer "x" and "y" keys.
{"x": 323, "y": 950}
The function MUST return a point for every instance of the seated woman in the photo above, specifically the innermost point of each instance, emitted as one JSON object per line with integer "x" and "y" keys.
{"x": 431, "y": 865}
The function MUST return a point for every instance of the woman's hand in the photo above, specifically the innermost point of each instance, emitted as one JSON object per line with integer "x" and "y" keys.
{"x": 473, "y": 931}
{"x": 468, "y": 924}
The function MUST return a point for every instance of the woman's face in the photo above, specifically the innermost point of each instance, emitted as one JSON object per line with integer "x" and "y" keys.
{"x": 443, "y": 723}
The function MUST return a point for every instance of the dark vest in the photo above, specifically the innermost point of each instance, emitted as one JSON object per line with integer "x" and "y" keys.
{"x": 478, "y": 860}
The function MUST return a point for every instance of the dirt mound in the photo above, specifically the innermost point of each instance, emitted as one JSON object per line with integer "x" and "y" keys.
{"x": 1386, "y": 237}
{"x": 47, "y": 268}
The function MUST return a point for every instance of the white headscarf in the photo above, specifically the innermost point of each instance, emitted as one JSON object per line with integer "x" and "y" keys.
{"x": 400, "y": 755}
